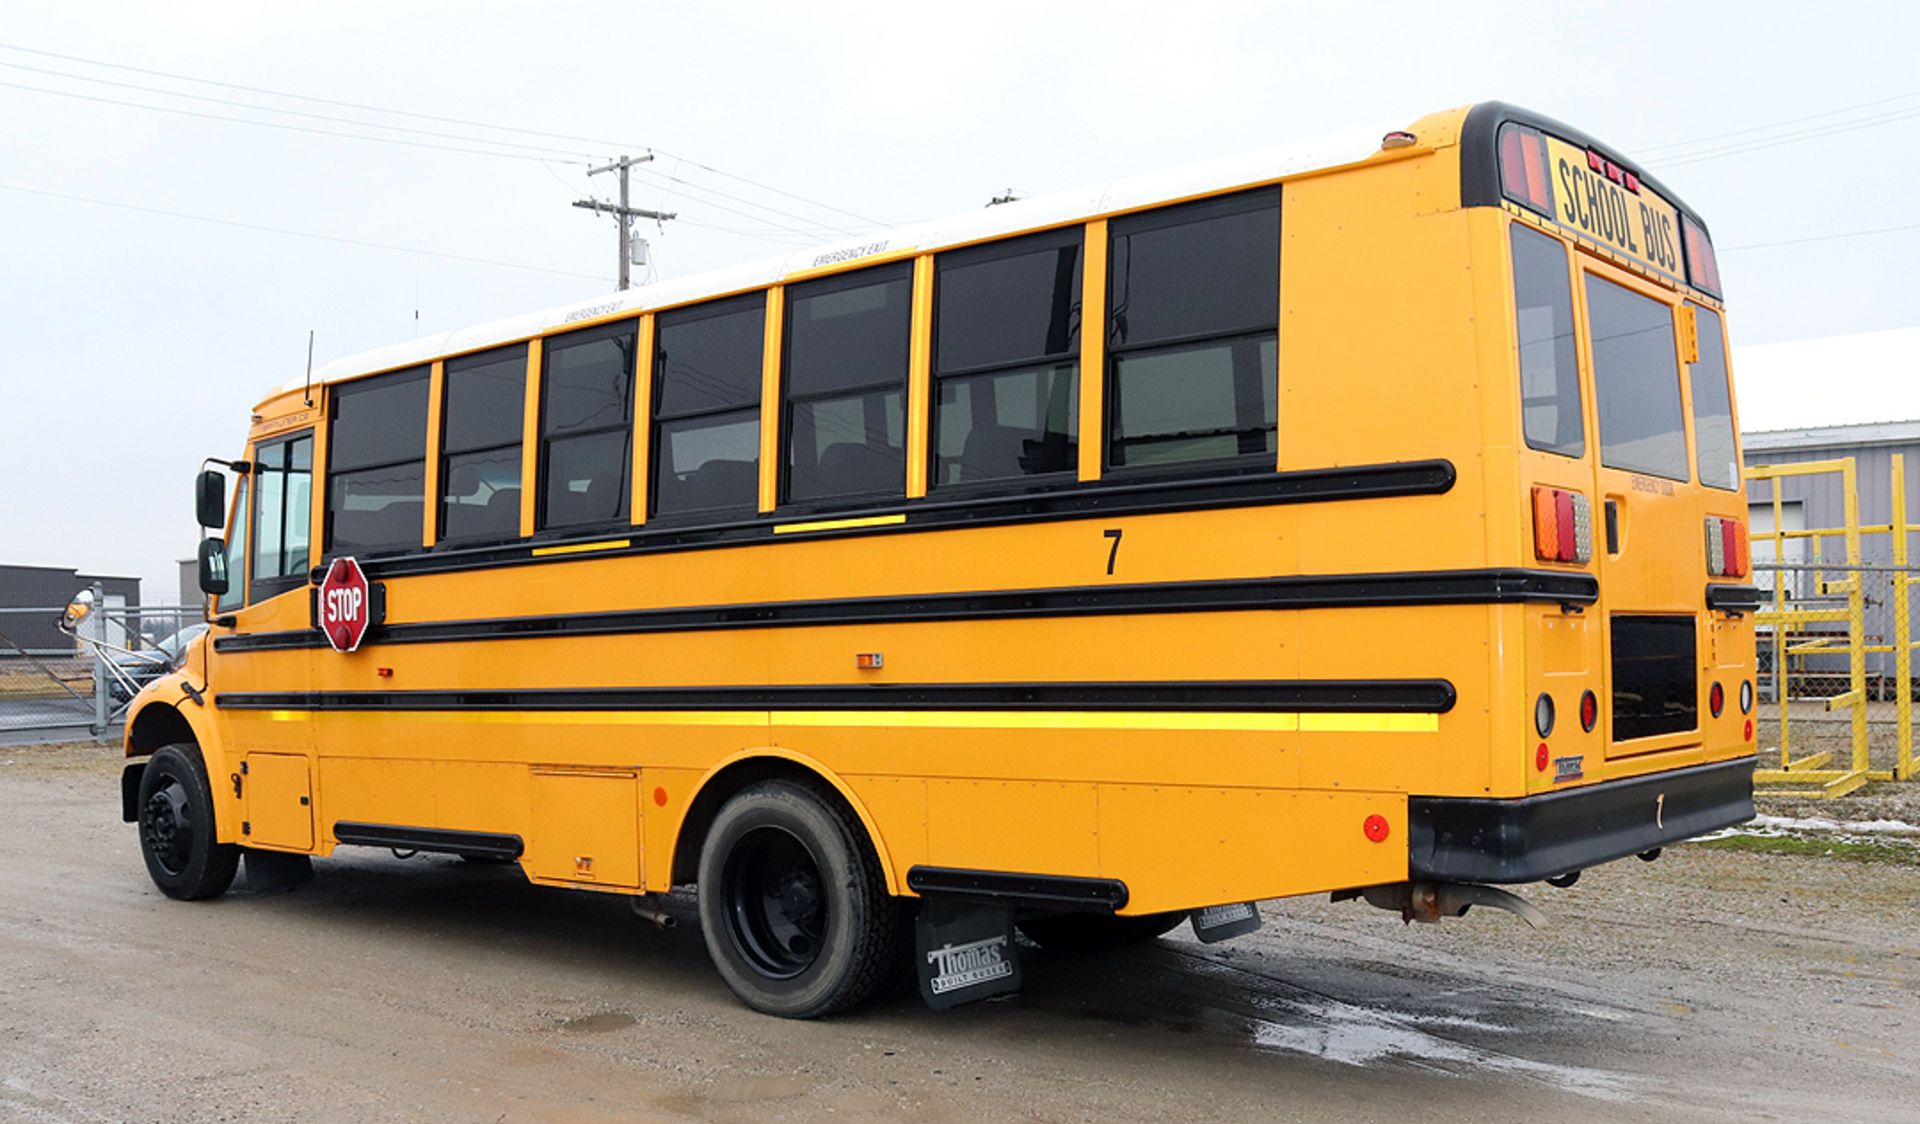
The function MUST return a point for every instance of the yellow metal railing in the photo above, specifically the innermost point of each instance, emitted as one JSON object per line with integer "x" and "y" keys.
{"x": 1817, "y": 774}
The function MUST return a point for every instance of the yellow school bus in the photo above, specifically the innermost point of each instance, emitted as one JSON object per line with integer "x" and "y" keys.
{"x": 1360, "y": 517}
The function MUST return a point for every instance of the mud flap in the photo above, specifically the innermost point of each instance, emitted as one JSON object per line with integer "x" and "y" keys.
{"x": 1217, "y": 923}
{"x": 964, "y": 951}
{"x": 276, "y": 870}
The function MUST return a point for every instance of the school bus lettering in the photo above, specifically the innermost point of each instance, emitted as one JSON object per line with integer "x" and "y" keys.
{"x": 660, "y": 546}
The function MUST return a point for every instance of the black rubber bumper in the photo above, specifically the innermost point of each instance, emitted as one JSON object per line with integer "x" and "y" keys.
{"x": 1462, "y": 839}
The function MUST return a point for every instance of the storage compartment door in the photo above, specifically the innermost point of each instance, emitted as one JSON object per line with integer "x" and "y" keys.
{"x": 279, "y": 802}
{"x": 584, "y": 827}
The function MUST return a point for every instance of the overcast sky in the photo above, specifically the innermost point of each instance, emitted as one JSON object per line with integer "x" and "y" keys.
{"x": 134, "y": 343}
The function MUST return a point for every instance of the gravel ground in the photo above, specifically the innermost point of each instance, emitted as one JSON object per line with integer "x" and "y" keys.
{"x": 1710, "y": 985}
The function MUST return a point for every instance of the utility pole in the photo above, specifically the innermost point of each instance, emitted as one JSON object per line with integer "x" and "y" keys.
{"x": 624, "y": 213}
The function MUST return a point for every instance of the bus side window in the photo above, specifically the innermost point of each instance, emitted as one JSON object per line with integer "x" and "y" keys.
{"x": 481, "y": 422}
{"x": 282, "y": 511}
{"x": 1716, "y": 458}
{"x": 586, "y": 426}
{"x": 377, "y": 463}
{"x": 1193, "y": 317}
{"x": 1549, "y": 374}
{"x": 1006, "y": 334}
{"x": 706, "y": 406}
{"x": 845, "y": 385}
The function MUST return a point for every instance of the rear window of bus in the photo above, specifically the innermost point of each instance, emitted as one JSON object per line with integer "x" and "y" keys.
{"x": 1636, "y": 381}
{"x": 1549, "y": 373}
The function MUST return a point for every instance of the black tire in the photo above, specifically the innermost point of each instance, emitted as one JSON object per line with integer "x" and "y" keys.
{"x": 1097, "y": 932}
{"x": 793, "y": 903}
{"x": 177, "y": 836}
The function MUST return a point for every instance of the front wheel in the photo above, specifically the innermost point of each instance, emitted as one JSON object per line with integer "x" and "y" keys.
{"x": 177, "y": 838}
{"x": 793, "y": 903}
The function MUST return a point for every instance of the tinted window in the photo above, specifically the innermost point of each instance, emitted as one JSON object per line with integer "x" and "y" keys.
{"x": 483, "y": 418}
{"x": 1197, "y": 269}
{"x": 1718, "y": 458}
{"x": 845, "y": 381}
{"x": 282, "y": 515}
{"x": 381, "y": 420}
{"x": 377, "y": 463}
{"x": 707, "y": 373}
{"x": 586, "y": 426}
{"x": 1549, "y": 373}
{"x": 848, "y": 332}
{"x": 1193, "y": 316}
{"x": 1006, "y": 334}
{"x": 1636, "y": 381}
{"x": 1007, "y": 303}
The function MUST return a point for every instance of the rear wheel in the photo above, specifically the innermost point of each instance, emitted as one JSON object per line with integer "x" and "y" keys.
{"x": 176, "y": 827}
{"x": 1096, "y": 932}
{"x": 793, "y": 903}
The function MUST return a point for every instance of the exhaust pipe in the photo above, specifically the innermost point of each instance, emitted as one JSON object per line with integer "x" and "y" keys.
{"x": 1430, "y": 901}
{"x": 649, "y": 908}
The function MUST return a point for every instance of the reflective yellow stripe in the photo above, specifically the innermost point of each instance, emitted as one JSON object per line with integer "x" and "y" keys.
{"x": 840, "y": 524}
{"x": 1346, "y": 723}
{"x": 580, "y": 548}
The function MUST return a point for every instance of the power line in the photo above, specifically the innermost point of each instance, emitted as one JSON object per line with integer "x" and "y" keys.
{"x": 290, "y": 128}
{"x": 1775, "y": 124}
{"x": 597, "y": 141}
{"x": 1821, "y": 238}
{"x": 295, "y": 233}
{"x": 288, "y": 112}
{"x": 1741, "y": 148}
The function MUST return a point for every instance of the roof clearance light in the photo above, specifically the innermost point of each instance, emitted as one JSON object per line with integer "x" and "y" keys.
{"x": 1399, "y": 138}
{"x": 1632, "y": 181}
{"x": 1703, "y": 269}
{"x": 1562, "y": 526}
{"x": 1523, "y": 168}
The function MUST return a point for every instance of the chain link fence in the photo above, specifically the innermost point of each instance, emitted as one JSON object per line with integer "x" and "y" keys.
{"x": 62, "y": 676}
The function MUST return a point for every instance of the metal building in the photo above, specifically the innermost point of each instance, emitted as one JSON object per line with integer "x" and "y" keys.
{"x": 42, "y": 587}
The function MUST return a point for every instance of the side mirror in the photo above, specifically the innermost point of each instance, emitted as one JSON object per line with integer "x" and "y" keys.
{"x": 78, "y": 609}
{"x": 213, "y": 566}
{"x": 210, "y": 498}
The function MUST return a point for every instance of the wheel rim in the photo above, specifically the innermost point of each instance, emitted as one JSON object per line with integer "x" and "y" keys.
{"x": 166, "y": 826}
{"x": 776, "y": 902}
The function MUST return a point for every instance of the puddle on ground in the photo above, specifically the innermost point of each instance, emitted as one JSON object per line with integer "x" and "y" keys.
{"x": 1359, "y": 1036}
{"x": 597, "y": 1024}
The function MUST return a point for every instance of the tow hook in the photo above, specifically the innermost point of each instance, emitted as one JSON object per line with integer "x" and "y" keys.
{"x": 1430, "y": 901}
{"x": 649, "y": 908}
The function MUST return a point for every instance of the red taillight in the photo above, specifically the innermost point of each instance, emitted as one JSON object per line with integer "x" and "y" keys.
{"x": 1589, "y": 711}
{"x": 1540, "y": 757}
{"x": 1749, "y": 730}
{"x": 1523, "y": 168}
{"x": 1562, "y": 525}
{"x": 1716, "y": 699}
{"x": 1703, "y": 270}
{"x": 1726, "y": 548}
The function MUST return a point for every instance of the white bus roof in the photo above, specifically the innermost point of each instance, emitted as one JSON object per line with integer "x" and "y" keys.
{"x": 1054, "y": 209}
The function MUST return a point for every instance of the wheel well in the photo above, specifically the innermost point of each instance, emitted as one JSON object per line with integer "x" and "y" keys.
{"x": 156, "y": 725}
{"x": 722, "y": 786}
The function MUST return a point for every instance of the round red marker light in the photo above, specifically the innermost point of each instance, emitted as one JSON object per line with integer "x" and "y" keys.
{"x": 660, "y": 797}
{"x": 1749, "y": 730}
{"x": 1716, "y": 699}
{"x": 1540, "y": 757}
{"x": 1377, "y": 828}
{"x": 1589, "y": 711}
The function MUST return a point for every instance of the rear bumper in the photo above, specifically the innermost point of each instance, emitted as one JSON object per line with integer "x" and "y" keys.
{"x": 1463, "y": 839}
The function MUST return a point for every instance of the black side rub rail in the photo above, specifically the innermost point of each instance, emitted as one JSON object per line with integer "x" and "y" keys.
{"x": 1055, "y": 891}
{"x": 1419, "y": 696}
{"x": 1462, "y": 839}
{"x": 1735, "y": 598}
{"x": 1307, "y": 591}
{"x": 475, "y": 844}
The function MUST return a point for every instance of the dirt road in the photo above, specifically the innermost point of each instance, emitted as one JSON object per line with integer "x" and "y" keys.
{"x": 1709, "y": 985}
